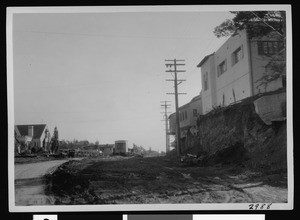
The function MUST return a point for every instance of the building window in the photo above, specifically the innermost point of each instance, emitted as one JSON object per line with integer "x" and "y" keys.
{"x": 237, "y": 55}
{"x": 185, "y": 115}
{"x": 269, "y": 47}
{"x": 222, "y": 68}
{"x": 205, "y": 80}
{"x": 195, "y": 113}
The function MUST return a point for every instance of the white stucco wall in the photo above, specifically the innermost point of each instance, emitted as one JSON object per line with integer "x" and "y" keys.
{"x": 237, "y": 88}
{"x": 241, "y": 79}
{"x": 237, "y": 76}
{"x": 209, "y": 98}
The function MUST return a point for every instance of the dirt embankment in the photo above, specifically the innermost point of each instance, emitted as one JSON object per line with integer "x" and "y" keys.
{"x": 237, "y": 134}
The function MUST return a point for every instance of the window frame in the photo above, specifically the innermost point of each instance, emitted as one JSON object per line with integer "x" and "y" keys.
{"x": 267, "y": 48}
{"x": 222, "y": 70}
{"x": 235, "y": 58}
{"x": 195, "y": 112}
{"x": 205, "y": 81}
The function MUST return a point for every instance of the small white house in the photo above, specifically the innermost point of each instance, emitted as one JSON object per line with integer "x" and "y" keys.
{"x": 188, "y": 115}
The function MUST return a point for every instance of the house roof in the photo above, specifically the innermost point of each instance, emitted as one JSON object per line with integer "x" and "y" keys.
{"x": 204, "y": 60}
{"x": 171, "y": 115}
{"x": 184, "y": 106}
{"x": 187, "y": 104}
{"x": 38, "y": 130}
{"x": 196, "y": 98}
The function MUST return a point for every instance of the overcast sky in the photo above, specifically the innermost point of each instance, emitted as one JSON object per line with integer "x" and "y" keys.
{"x": 101, "y": 76}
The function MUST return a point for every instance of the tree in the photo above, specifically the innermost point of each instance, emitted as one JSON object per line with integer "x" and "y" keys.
{"x": 54, "y": 141}
{"x": 259, "y": 24}
{"x": 271, "y": 21}
{"x": 63, "y": 144}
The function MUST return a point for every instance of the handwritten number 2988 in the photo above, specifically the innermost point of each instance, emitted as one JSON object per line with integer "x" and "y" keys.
{"x": 259, "y": 206}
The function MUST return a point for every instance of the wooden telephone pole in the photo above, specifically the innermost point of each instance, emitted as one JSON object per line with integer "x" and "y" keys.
{"x": 172, "y": 64}
{"x": 166, "y": 106}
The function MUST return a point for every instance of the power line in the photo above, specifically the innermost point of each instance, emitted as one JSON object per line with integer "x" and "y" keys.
{"x": 166, "y": 106}
{"x": 270, "y": 26}
{"x": 209, "y": 45}
{"x": 173, "y": 64}
{"x": 185, "y": 31}
{"x": 112, "y": 35}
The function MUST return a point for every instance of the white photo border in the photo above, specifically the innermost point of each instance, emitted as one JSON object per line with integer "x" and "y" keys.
{"x": 144, "y": 207}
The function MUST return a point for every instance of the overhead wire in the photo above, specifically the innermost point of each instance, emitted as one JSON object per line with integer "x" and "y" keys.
{"x": 110, "y": 35}
{"x": 175, "y": 47}
{"x": 211, "y": 45}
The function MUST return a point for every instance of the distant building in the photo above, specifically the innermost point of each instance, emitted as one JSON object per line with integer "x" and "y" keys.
{"x": 83, "y": 143}
{"x": 235, "y": 70}
{"x": 32, "y": 134}
{"x": 107, "y": 149}
{"x": 120, "y": 147}
{"x": 21, "y": 142}
{"x": 188, "y": 115}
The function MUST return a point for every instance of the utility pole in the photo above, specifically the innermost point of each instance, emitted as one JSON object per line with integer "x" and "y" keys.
{"x": 166, "y": 106}
{"x": 174, "y": 63}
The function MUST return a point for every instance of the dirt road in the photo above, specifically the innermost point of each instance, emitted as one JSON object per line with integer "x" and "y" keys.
{"x": 30, "y": 182}
{"x": 160, "y": 180}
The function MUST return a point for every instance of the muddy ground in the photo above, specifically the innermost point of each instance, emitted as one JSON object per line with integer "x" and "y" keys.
{"x": 123, "y": 180}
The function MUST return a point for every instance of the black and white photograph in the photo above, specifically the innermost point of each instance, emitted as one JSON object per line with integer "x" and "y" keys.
{"x": 129, "y": 108}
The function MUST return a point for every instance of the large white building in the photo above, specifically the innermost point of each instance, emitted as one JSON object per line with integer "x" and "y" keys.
{"x": 233, "y": 72}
